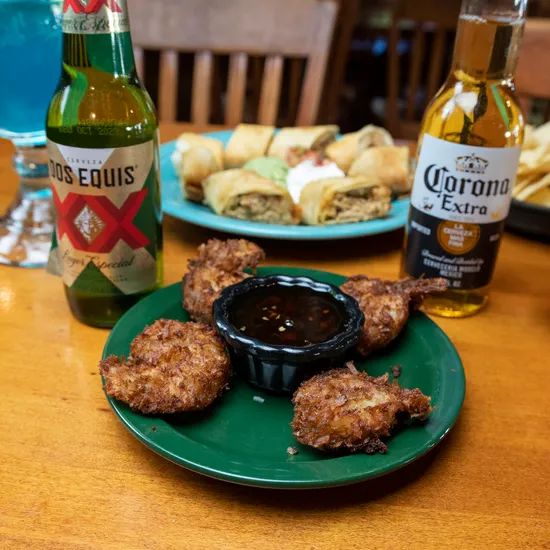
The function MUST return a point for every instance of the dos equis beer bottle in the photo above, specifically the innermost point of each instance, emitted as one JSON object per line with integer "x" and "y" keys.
{"x": 104, "y": 167}
{"x": 468, "y": 154}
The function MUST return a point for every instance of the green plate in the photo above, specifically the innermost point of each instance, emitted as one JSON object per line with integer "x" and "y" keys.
{"x": 244, "y": 436}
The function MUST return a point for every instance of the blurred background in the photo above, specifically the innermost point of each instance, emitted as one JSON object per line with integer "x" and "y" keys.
{"x": 386, "y": 59}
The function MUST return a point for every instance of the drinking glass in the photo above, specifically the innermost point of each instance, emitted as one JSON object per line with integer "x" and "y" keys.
{"x": 30, "y": 66}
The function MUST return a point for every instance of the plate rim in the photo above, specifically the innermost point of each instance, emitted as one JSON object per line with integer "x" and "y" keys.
{"x": 243, "y": 479}
{"x": 530, "y": 206}
{"x": 270, "y": 231}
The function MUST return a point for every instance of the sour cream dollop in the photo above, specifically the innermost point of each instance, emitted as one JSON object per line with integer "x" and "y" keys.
{"x": 307, "y": 171}
{"x": 181, "y": 147}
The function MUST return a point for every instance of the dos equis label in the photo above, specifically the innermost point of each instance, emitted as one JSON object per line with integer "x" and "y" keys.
{"x": 105, "y": 214}
{"x": 95, "y": 16}
{"x": 460, "y": 199}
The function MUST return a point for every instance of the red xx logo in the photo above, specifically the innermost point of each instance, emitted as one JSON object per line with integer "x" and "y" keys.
{"x": 93, "y": 7}
{"x": 115, "y": 223}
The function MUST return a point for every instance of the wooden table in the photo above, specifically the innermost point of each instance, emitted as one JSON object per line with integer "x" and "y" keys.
{"x": 72, "y": 477}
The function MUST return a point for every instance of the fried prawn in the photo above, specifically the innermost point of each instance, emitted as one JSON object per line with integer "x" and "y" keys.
{"x": 218, "y": 265}
{"x": 386, "y": 306}
{"x": 172, "y": 367}
{"x": 347, "y": 410}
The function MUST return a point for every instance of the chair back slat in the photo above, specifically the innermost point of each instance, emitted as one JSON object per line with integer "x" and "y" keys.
{"x": 168, "y": 78}
{"x": 348, "y": 16}
{"x": 394, "y": 77}
{"x": 435, "y": 76}
{"x": 416, "y": 67}
{"x": 271, "y": 90}
{"x": 202, "y": 88}
{"x": 236, "y": 88}
{"x": 317, "y": 64}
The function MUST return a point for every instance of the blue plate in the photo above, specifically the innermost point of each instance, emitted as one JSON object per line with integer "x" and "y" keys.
{"x": 174, "y": 204}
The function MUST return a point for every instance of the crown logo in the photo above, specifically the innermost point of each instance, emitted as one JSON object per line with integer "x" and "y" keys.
{"x": 472, "y": 164}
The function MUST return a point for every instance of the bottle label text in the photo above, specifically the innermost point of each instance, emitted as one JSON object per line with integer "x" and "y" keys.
{"x": 460, "y": 199}
{"x": 104, "y": 199}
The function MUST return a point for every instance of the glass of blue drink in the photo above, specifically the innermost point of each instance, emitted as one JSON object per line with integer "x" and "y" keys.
{"x": 30, "y": 66}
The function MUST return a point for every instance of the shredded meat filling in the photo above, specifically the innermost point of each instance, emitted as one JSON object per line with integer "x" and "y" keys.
{"x": 359, "y": 205}
{"x": 261, "y": 208}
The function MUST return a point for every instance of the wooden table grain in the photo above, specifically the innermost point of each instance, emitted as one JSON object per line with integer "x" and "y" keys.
{"x": 72, "y": 477}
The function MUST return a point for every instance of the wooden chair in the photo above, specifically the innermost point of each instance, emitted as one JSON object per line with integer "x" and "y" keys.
{"x": 276, "y": 29}
{"x": 347, "y": 19}
{"x": 421, "y": 17}
{"x": 533, "y": 70}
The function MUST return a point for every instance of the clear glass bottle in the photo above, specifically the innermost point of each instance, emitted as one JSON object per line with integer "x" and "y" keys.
{"x": 468, "y": 153}
{"x": 103, "y": 148}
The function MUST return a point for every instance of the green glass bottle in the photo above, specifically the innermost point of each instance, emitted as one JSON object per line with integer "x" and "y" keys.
{"x": 103, "y": 152}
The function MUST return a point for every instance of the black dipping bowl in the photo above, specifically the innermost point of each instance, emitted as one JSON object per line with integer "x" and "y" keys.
{"x": 281, "y": 368}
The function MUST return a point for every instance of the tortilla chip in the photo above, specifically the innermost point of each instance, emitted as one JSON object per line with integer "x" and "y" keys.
{"x": 522, "y": 183}
{"x": 538, "y": 193}
{"x": 534, "y": 160}
{"x": 542, "y": 133}
{"x": 530, "y": 140}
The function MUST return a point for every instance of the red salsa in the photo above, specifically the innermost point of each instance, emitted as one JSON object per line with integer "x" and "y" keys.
{"x": 293, "y": 316}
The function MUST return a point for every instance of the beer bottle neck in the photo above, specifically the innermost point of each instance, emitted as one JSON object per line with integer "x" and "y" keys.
{"x": 96, "y": 34}
{"x": 488, "y": 39}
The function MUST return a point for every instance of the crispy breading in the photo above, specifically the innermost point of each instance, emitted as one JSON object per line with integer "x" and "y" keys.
{"x": 218, "y": 265}
{"x": 202, "y": 286}
{"x": 173, "y": 367}
{"x": 386, "y": 306}
{"x": 347, "y": 410}
{"x": 230, "y": 255}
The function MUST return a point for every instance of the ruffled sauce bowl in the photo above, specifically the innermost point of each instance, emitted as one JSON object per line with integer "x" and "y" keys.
{"x": 281, "y": 330}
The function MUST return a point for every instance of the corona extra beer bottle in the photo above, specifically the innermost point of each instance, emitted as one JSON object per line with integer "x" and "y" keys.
{"x": 103, "y": 152}
{"x": 468, "y": 154}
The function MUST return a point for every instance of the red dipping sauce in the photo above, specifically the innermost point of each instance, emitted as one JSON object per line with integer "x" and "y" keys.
{"x": 294, "y": 316}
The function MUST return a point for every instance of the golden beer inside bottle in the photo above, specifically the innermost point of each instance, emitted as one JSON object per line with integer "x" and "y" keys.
{"x": 487, "y": 48}
{"x": 476, "y": 106}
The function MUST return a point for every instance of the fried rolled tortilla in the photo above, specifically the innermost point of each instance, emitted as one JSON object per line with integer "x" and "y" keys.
{"x": 386, "y": 165}
{"x": 196, "y": 165}
{"x": 195, "y": 158}
{"x": 344, "y": 151}
{"x": 307, "y": 137}
{"x": 373, "y": 136}
{"x": 246, "y": 195}
{"x": 247, "y": 142}
{"x": 343, "y": 200}
{"x": 189, "y": 140}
